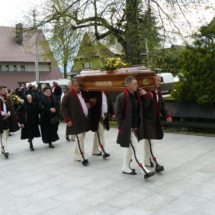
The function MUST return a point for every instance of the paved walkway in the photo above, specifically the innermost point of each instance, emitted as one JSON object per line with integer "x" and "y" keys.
{"x": 49, "y": 181}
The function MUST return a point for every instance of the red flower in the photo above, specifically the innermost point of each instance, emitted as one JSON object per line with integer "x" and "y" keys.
{"x": 131, "y": 160}
{"x": 101, "y": 146}
{"x": 81, "y": 153}
{"x": 154, "y": 158}
{"x": 140, "y": 165}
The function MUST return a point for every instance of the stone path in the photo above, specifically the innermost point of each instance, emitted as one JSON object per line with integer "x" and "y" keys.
{"x": 49, "y": 181}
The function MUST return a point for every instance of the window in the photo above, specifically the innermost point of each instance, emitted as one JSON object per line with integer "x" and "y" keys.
{"x": 49, "y": 65}
{"x": 14, "y": 68}
{"x": 88, "y": 65}
{"x": 22, "y": 68}
{"x": 7, "y": 68}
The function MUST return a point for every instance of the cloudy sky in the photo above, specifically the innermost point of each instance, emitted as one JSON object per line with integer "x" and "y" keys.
{"x": 11, "y": 11}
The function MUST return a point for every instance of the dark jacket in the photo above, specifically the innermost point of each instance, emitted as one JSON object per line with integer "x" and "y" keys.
{"x": 13, "y": 123}
{"x": 71, "y": 109}
{"x": 48, "y": 130}
{"x": 57, "y": 92}
{"x": 28, "y": 115}
{"x": 39, "y": 95}
{"x": 124, "y": 117}
{"x": 95, "y": 111}
{"x": 151, "y": 115}
{"x": 23, "y": 92}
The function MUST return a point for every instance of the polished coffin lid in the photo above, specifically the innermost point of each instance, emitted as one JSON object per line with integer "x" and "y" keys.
{"x": 113, "y": 80}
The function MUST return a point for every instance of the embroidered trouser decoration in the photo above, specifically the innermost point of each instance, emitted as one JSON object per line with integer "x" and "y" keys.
{"x": 79, "y": 147}
{"x": 139, "y": 164}
{"x": 136, "y": 150}
{"x": 101, "y": 146}
{"x": 98, "y": 139}
{"x": 152, "y": 155}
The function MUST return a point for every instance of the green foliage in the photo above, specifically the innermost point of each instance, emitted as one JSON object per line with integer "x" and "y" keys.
{"x": 168, "y": 59}
{"x": 197, "y": 76}
{"x": 171, "y": 63}
{"x": 131, "y": 22}
{"x": 150, "y": 38}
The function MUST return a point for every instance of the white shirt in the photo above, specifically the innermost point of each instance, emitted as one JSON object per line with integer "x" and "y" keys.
{"x": 4, "y": 108}
{"x": 62, "y": 96}
{"x": 104, "y": 103}
{"x": 83, "y": 104}
{"x": 157, "y": 97}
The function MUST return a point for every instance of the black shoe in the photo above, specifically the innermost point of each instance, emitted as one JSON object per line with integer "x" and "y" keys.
{"x": 151, "y": 164}
{"x": 130, "y": 173}
{"x": 148, "y": 175}
{"x": 105, "y": 155}
{"x": 85, "y": 162}
{"x": 100, "y": 154}
{"x": 6, "y": 154}
{"x": 133, "y": 170}
{"x": 159, "y": 169}
{"x": 67, "y": 138}
{"x": 32, "y": 148}
{"x": 50, "y": 145}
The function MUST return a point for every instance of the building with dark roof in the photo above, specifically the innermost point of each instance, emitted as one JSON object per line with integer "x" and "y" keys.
{"x": 17, "y": 58}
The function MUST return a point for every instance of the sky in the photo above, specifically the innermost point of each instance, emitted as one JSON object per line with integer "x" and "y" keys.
{"x": 11, "y": 11}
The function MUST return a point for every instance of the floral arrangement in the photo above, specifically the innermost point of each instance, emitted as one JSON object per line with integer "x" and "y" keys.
{"x": 16, "y": 99}
{"x": 113, "y": 63}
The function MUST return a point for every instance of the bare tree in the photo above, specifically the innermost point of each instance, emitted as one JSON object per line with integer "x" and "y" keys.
{"x": 124, "y": 19}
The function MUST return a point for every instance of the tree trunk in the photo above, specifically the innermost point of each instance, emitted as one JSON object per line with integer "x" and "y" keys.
{"x": 65, "y": 70}
{"x": 132, "y": 37}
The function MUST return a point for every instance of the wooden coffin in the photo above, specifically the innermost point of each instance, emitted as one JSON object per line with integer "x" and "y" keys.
{"x": 97, "y": 80}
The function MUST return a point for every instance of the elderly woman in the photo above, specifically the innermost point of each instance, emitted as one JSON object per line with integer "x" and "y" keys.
{"x": 29, "y": 121}
{"x": 49, "y": 108}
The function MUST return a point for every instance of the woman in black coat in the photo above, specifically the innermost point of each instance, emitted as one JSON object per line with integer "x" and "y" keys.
{"x": 29, "y": 121}
{"x": 49, "y": 107}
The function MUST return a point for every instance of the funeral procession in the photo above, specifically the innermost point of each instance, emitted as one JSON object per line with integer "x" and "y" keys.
{"x": 107, "y": 107}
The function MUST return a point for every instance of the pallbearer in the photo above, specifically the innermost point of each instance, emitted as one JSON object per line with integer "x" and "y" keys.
{"x": 102, "y": 108}
{"x": 74, "y": 110}
{"x": 152, "y": 127}
{"x": 129, "y": 116}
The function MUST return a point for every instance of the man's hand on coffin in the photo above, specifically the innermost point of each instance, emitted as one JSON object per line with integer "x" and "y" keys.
{"x": 141, "y": 92}
{"x": 150, "y": 94}
{"x": 69, "y": 123}
{"x": 88, "y": 105}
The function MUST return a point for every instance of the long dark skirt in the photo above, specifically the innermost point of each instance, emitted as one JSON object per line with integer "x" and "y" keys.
{"x": 49, "y": 131}
{"x": 30, "y": 132}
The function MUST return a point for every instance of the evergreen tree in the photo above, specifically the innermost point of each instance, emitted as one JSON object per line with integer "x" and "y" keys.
{"x": 197, "y": 76}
